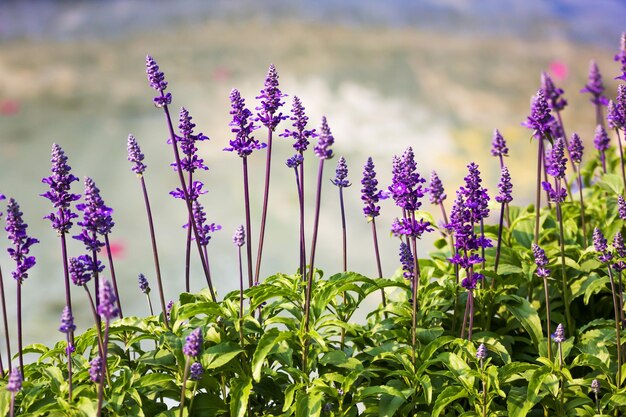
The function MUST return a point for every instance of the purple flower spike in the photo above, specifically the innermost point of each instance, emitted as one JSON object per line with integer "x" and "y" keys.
{"x": 576, "y": 148}
{"x": 325, "y": 141}
{"x": 67, "y": 321}
{"x": 196, "y": 371}
{"x": 558, "y": 196}
{"x": 168, "y": 308}
{"x": 341, "y": 174}
{"x": 476, "y": 197}
{"x": 204, "y": 229}
{"x": 618, "y": 244}
{"x": 435, "y": 189}
{"x": 60, "y": 182}
{"x": 135, "y": 156}
{"x": 187, "y": 141}
{"x": 595, "y": 86}
{"x": 616, "y": 114}
{"x": 541, "y": 261}
{"x": 601, "y": 139}
{"x": 295, "y": 161}
{"x": 108, "y": 302}
{"x": 157, "y": 81}
{"x": 270, "y": 101}
{"x": 595, "y": 386}
{"x": 621, "y": 207}
{"x": 553, "y": 94}
{"x": 559, "y": 334}
{"x": 16, "y": 230}
{"x": 601, "y": 246}
{"x": 406, "y": 259}
{"x": 144, "y": 285}
{"x": 498, "y": 145}
{"x": 410, "y": 227}
{"x": 243, "y": 143}
{"x": 406, "y": 183}
{"x": 301, "y": 135}
{"x": 505, "y": 187}
{"x": 540, "y": 119}
{"x": 193, "y": 343}
{"x": 239, "y": 237}
{"x": 82, "y": 269}
{"x": 621, "y": 57}
{"x": 481, "y": 352}
{"x": 469, "y": 283}
{"x": 95, "y": 369}
{"x": 14, "y": 384}
{"x": 97, "y": 218}
{"x": 370, "y": 195}
{"x": 557, "y": 161}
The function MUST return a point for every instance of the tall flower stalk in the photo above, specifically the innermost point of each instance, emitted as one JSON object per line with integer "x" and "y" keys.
{"x": 144, "y": 287}
{"x": 620, "y": 265}
{"x": 294, "y": 162}
{"x": 16, "y": 231}
{"x": 191, "y": 350}
{"x": 605, "y": 256}
{"x": 239, "y": 239}
{"x": 270, "y": 117}
{"x": 61, "y": 198}
{"x": 559, "y": 338}
{"x": 136, "y": 158}
{"x": 5, "y": 321}
{"x": 542, "y": 261}
{"x": 576, "y": 149}
{"x": 244, "y": 143}
{"x": 341, "y": 182}
{"x": 67, "y": 327}
{"x": 82, "y": 270}
{"x": 504, "y": 197}
{"x": 108, "y": 310}
{"x": 602, "y": 143}
{"x": 14, "y": 385}
{"x": 616, "y": 117}
{"x": 595, "y": 87}
{"x": 157, "y": 81}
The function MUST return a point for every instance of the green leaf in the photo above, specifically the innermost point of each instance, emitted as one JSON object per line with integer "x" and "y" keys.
{"x": 389, "y": 404}
{"x": 447, "y": 396}
{"x": 508, "y": 269}
{"x": 152, "y": 379}
{"x": 521, "y": 309}
{"x": 270, "y": 339}
{"x": 611, "y": 183}
{"x": 219, "y": 355}
{"x": 309, "y": 404}
{"x": 239, "y": 395}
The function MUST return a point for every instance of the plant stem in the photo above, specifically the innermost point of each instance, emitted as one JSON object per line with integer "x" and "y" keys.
{"x": 582, "y": 208}
{"x": 183, "y": 389}
{"x": 5, "y": 321}
{"x": 240, "y": 297}
{"x": 188, "y": 244}
{"x": 69, "y": 366}
{"x": 104, "y": 368}
{"x": 96, "y": 319}
{"x": 378, "y": 264}
{"x": 155, "y": 252}
{"x": 538, "y": 196}
{"x": 266, "y": 195}
{"x": 547, "y": 293}
{"x": 621, "y": 297}
{"x": 344, "y": 233}
{"x": 499, "y": 244}
{"x": 19, "y": 326}
{"x": 110, "y": 256}
{"x": 416, "y": 278}
{"x": 302, "y": 221}
{"x": 246, "y": 195}
{"x": 470, "y": 295}
{"x": 12, "y": 408}
{"x": 617, "y": 329}
{"x": 565, "y": 289}
{"x": 307, "y": 302}
{"x": 621, "y": 157}
{"x": 150, "y": 304}
{"x": 68, "y": 298}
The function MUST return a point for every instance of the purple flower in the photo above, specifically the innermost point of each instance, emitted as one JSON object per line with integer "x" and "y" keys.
{"x": 325, "y": 141}
{"x": 406, "y": 259}
{"x": 553, "y": 94}
{"x": 196, "y": 371}
{"x": 95, "y": 369}
{"x": 295, "y": 161}
{"x": 621, "y": 207}
{"x": 67, "y": 321}
{"x": 541, "y": 261}
{"x": 193, "y": 343}
{"x": 144, "y": 285}
{"x": 410, "y": 227}
{"x": 341, "y": 174}
{"x": 556, "y": 163}
{"x": 168, "y": 308}
{"x": 540, "y": 119}
{"x": 244, "y": 143}
{"x": 16, "y": 230}
{"x": 621, "y": 57}
{"x": 616, "y": 114}
{"x": 135, "y": 156}
{"x": 194, "y": 190}
{"x": 435, "y": 189}
{"x": 157, "y": 81}
{"x": 270, "y": 101}
{"x": 301, "y": 135}
{"x": 576, "y": 148}
{"x": 406, "y": 184}
{"x": 559, "y": 334}
{"x": 240, "y": 236}
{"x": 469, "y": 283}
{"x": 557, "y": 195}
{"x": 601, "y": 139}
{"x": 481, "y": 352}
{"x": 595, "y": 86}
{"x": 476, "y": 197}
{"x": 60, "y": 182}
{"x": 82, "y": 269}
{"x": 498, "y": 145}
{"x": 204, "y": 229}
{"x": 370, "y": 195}
{"x": 187, "y": 141}
{"x": 14, "y": 384}
{"x": 600, "y": 245}
{"x": 108, "y": 301}
{"x": 595, "y": 386}
{"x": 97, "y": 218}
{"x": 620, "y": 251}
{"x": 505, "y": 187}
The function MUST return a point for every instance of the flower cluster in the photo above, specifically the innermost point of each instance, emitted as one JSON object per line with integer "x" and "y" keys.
{"x": 553, "y": 94}
{"x": 470, "y": 282}
{"x": 15, "y": 380}
{"x": 601, "y": 246}
{"x": 406, "y": 259}
{"x": 295, "y": 161}
{"x": 541, "y": 261}
{"x": 244, "y": 143}
{"x": 97, "y": 218}
{"x": 16, "y": 230}
{"x": 498, "y": 145}
{"x": 576, "y": 148}
{"x": 67, "y": 321}
{"x": 193, "y": 343}
{"x": 370, "y": 195}
{"x": 187, "y": 142}
{"x": 196, "y": 371}
{"x": 60, "y": 182}
{"x": 436, "y": 190}
{"x": 95, "y": 369}
{"x": 135, "y": 156}
{"x": 616, "y": 113}
{"x": 559, "y": 334}
{"x": 601, "y": 139}
{"x": 594, "y": 86}
{"x": 505, "y": 187}
{"x": 621, "y": 58}
{"x": 204, "y": 229}
{"x": 82, "y": 269}
{"x": 555, "y": 166}
{"x": 540, "y": 120}
{"x": 620, "y": 251}
{"x": 240, "y": 236}
{"x": 270, "y": 101}
{"x": 301, "y": 135}
{"x": 341, "y": 174}
{"x": 325, "y": 141}
{"x": 108, "y": 301}
{"x": 144, "y": 285}
{"x": 157, "y": 81}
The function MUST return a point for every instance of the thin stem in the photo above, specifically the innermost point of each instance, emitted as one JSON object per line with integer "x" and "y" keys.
{"x": 19, "y": 326}
{"x": 104, "y": 368}
{"x": 110, "y": 256}
{"x": 240, "y": 296}
{"x": 344, "y": 233}
{"x": 246, "y": 194}
{"x": 565, "y": 287}
{"x": 188, "y": 243}
{"x": 538, "y": 197}
{"x": 12, "y": 408}
{"x": 69, "y": 366}
{"x": 5, "y": 321}
{"x": 547, "y": 293}
{"x": 582, "y": 208}
{"x": 150, "y": 304}
{"x": 96, "y": 280}
{"x": 302, "y": 221}
{"x": 378, "y": 264}
{"x": 599, "y": 116}
{"x": 416, "y": 277}
{"x": 621, "y": 297}
{"x": 482, "y": 374}
{"x": 183, "y": 389}
{"x": 96, "y": 319}
{"x": 499, "y": 244}
{"x": 471, "y": 314}
{"x": 155, "y": 252}
{"x": 68, "y": 298}
{"x": 266, "y": 195}
{"x": 617, "y": 329}
{"x": 562, "y": 387}
{"x": 621, "y": 157}
{"x": 603, "y": 159}
{"x": 193, "y": 395}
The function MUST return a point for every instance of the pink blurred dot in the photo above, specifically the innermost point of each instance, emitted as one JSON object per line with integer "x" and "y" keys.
{"x": 9, "y": 107}
{"x": 118, "y": 249}
{"x": 559, "y": 69}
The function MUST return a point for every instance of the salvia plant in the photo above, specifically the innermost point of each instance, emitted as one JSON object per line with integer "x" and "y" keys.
{"x": 515, "y": 311}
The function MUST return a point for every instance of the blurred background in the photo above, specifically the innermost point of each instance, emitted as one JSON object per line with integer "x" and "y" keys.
{"x": 438, "y": 75}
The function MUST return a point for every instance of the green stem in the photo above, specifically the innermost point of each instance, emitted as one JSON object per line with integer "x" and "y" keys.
{"x": 617, "y": 329}
{"x": 548, "y": 331}
{"x": 564, "y": 286}
{"x": 182, "y": 391}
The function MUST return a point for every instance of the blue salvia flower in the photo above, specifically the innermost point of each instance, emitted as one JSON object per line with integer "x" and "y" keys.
{"x": 559, "y": 334}
{"x": 204, "y": 230}
{"x": 557, "y": 161}
{"x": 406, "y": 259}
{"x": 341, "y": 174}
{"x": 187, "y": 142}
{"x": 270, "y": 101}
{"x": 616, "y": 114}
{"x": 108, "y": 301}
{"x": 601, "y": 139}
{"x": 576, "y": 148}
{"x": 144, "y": 285}
{"x": 621, "y": 207}
{"x": 82, "y": 269}
{"x": 244, "y": 143}
{"x": 193, "y": 343}
{"x": 370, "y": 195}
{"x": 481, "y": 352}
{"x": 135, "y": 156}
{"x": 157, "y": 81}
{"x": 59, "y": 193}
{"x": 436, "y": 190}
{"x": 470, "y": 283}
{"x": 196, "y": 371}
{"x": 594, "y": 86}
{"x": 498, "y": 145}
{"x": 301, "y": 135}
{"x": 406, "y": 184}
{"x": 239, "y": 237}
{"x": 601, "y": 246}
{"x": 97, "y": 218}
{"x": 95, "y": 369}
{"x": 553, "y": 94}
{"x": 505, "y": 187}
{"x": 67, "y": 321}
{"x": 325, "y": 141}
{"x": 540, "y": 120}
{"x": 14, "y": 384}
{"x": 16, "y": 231}
{"x": 295, "y": 161}
{"x": 621, "y": 58}
{"x": 541, "y": 261}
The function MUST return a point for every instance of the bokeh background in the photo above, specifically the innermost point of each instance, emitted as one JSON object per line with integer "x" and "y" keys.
{"x": 438, "y": 75}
